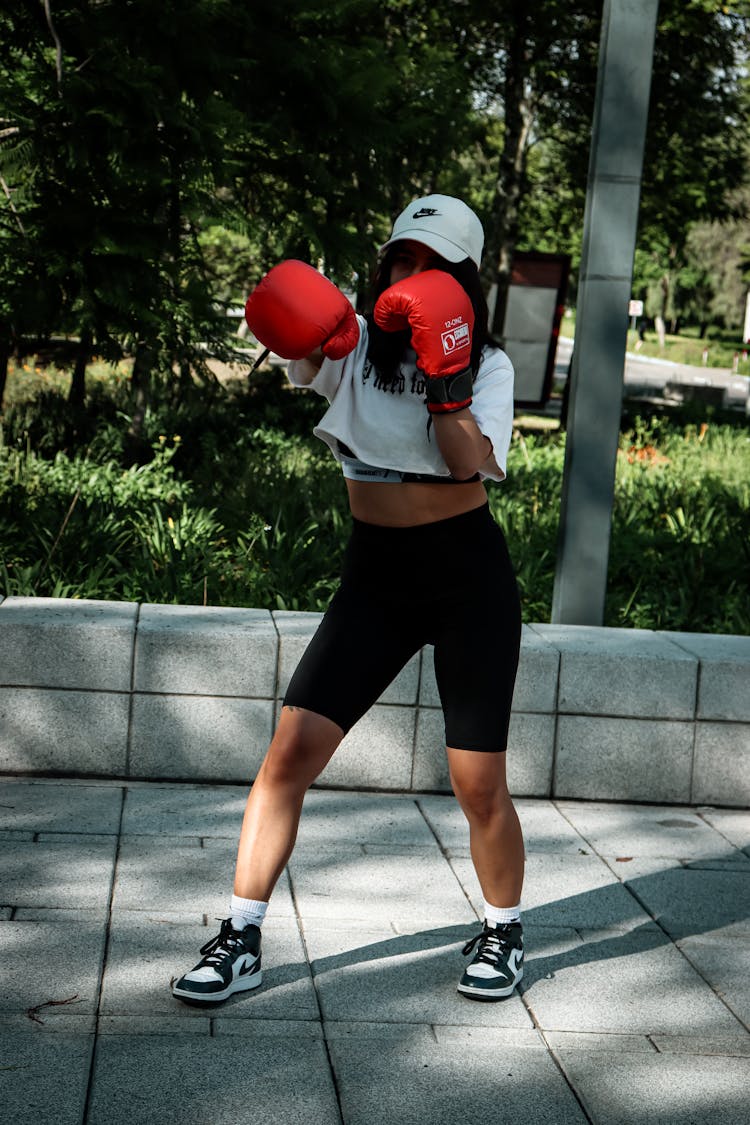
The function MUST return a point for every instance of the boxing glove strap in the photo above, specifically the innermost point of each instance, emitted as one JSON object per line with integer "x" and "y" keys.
{"x": 450, "y": 390}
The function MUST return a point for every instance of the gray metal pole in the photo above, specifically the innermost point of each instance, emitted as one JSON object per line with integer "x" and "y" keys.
{"x": 609, "y": 233}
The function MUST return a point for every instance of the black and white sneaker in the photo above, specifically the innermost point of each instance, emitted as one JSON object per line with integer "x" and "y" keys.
{"x": 497, "y": 966}
{"x": 231, "y": 963}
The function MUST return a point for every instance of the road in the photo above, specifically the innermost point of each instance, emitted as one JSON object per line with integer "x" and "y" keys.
{"x": 661, "y": 378}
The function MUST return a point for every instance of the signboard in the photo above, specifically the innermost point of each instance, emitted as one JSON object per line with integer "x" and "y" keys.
{"x": 533, "y": 312}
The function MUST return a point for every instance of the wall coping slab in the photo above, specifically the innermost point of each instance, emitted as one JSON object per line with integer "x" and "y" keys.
{"x": 634, "y": 673}
{"x": 724, "y": 680}
{"x": 206, "y": 650}
{"x": 67, "y": 643}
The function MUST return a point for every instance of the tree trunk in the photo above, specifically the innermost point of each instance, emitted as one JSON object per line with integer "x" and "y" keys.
{"x": 5, "y": 350}
{"x": 77, "y": 392}
{"x": 139, "y": 383}
{"x": 502, "y": 233}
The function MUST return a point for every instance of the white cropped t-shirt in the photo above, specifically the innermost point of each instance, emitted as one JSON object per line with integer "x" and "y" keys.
{"x": 389, "y": 427}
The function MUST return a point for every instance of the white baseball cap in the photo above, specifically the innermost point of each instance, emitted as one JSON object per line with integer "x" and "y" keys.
{"x": 443, "y": 223}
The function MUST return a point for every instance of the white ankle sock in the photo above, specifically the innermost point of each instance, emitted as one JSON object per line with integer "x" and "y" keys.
{"x": 502, "y": 915}
{"x": 246, "y": 911}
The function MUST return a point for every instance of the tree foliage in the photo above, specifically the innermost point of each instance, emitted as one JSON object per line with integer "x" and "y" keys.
{"x": 157, "y": 157}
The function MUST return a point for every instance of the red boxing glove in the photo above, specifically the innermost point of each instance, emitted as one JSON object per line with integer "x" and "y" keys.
{"x": 294, "y": 310}
{"x": 441, "y": 318}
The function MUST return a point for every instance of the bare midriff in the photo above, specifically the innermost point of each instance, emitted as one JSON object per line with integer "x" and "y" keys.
{"x": 408, "y": 505}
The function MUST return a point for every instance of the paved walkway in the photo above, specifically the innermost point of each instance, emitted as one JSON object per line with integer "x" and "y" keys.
{"x": 634, "y": 1010}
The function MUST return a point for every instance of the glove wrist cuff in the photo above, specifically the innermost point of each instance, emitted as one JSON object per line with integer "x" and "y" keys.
{"x": 447, "y": 393}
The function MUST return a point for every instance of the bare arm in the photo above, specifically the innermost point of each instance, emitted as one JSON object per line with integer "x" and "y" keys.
{"x": 464, "y": 447}
{"x": 309, "y": 367}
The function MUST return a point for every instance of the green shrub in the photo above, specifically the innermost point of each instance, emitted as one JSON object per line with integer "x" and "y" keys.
{"x": 231, "y": 501}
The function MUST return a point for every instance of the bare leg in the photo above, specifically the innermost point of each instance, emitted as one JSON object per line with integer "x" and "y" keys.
{"x": 300, "y": 749}
{"x": 495, "y": 836}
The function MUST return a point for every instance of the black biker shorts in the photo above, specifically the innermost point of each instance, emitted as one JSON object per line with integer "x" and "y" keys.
{"x": 449, "y": 584}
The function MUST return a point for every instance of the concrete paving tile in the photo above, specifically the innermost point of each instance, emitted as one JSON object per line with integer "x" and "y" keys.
{"x": 592, "y": 934}
{"x": 729, "y": 1045}
{"x": 444, "y": 1085}
{"x": 629, "y": 868}
{"x": 334, "y": 818}
{"x": 144, "y": 957}
{"x": 549, "y": 941}
{"x": 405, "y": 978}
{"x": 84, "y": 838}
{"x": 644, "y": 830}
{"x": 178, "y": 874}
{"x": 221, "y": 1081}
{"x": 674, "y": 1089}
{"x": 633, "y": 982}
{"x": 401, "y": 887}
{"x": 689, "y": 902}
{"x": 97, "y": 914}
{"x": 723, "y": 960}
{"x": 737, "y": 861}
{"x": 200, "y": 810}
{"x": 565, "y": 890}
{"x": 60, "y": 807}
{"x": 49, "y": 1020}
{"x": 273, "y": 1028}
{"x": 445, "y": 819}
{"x": 352, "y": 1029}
{"x": 43, "y": 1078}
{"x": 62, "y": 873}
{"x": 545, "y": 829}
{"x": 153, "y": 1025}
{"x": 592, "y": 1041}
{"x": 69, "y": 969}
{"x": 488, "y": 1036}
{"x": 733, "y": 824}
{"x": 13, "y": 834}
{"x": 398, "y": 849}
{"x": 173, "y": 873}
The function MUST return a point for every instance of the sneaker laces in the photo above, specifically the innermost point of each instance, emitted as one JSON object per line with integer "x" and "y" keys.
{"x": 224, "y": 944}
{"x": 493, "y": 943}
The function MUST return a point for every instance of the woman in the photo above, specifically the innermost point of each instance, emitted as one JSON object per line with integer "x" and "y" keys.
{"x": 420, "y": 412}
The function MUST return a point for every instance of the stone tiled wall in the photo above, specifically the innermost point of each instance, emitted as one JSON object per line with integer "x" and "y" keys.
{"x": 189, "y": 692}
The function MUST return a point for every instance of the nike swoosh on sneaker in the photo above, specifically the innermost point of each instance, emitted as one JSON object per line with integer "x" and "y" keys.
{"x": 248, "y": 967}
{"x": 515, "y": 959}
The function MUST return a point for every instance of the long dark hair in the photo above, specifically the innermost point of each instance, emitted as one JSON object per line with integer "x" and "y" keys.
{"x": 385, "y": 350}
